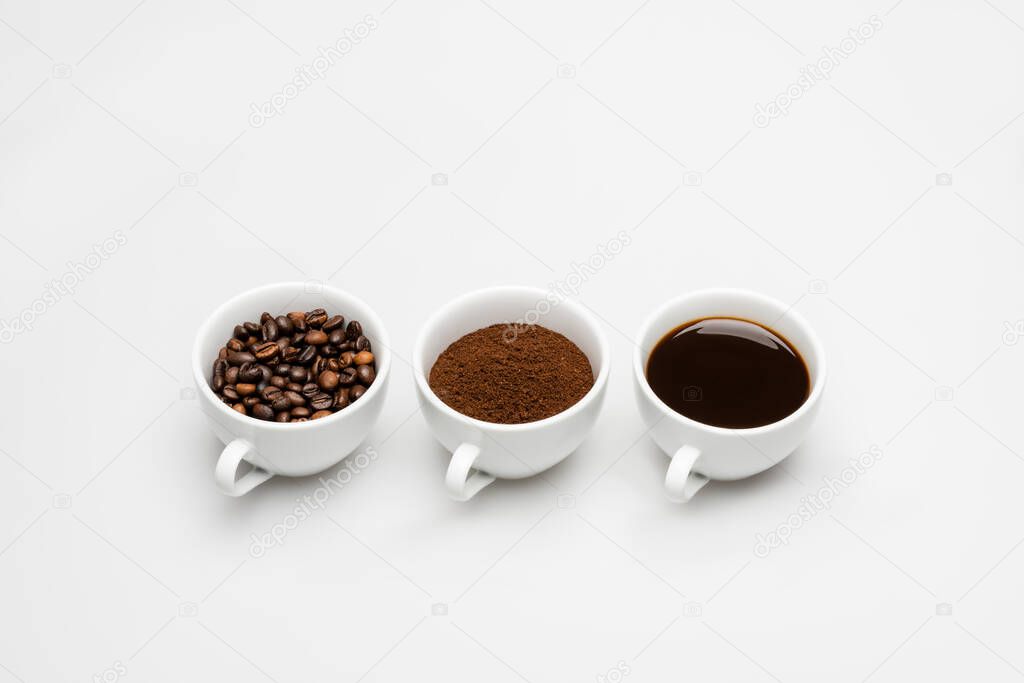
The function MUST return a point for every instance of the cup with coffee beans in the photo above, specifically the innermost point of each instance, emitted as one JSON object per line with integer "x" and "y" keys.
{"x": 509, "y": 382}
{"x": 290, "y": 380}
{"x": 728, "y": 382}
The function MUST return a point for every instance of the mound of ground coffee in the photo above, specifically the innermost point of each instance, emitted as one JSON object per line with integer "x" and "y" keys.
{"x": 511, "y": 375}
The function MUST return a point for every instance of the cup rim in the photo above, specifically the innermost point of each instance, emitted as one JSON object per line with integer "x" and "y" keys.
{"x": 383, "y": 367}
{"x": 815, "y": 347}
{"x": 541, "y": 294}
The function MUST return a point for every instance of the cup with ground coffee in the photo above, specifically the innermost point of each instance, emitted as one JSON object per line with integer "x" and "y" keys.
{"x": 728, "y": 382}
{"x": 291, "y": 379}
{"x": 510, "y": 381}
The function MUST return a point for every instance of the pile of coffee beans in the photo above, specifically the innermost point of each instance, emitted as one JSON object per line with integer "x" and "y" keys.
{"x": 294, "y": 367}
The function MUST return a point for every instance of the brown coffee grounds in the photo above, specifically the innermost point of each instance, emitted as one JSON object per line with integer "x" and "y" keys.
{"x": 496, "y": 376}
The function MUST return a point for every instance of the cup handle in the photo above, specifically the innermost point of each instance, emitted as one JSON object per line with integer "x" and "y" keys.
{"x": 681, "y": 483}
{"x": 464, "y": 482}
{"x": 227, "y": 468}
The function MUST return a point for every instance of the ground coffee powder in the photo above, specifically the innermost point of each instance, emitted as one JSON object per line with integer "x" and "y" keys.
{"x": 511, "y": 375}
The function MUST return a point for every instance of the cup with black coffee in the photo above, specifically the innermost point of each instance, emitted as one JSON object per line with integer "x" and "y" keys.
{"x": 728, "y": 382}
{"x": 510, "y": 382}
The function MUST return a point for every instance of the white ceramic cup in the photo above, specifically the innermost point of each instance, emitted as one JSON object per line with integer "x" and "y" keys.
{"x": 289, "y": 449}
{"x": 484, "y": 451}
{"x": 702, "y": 452}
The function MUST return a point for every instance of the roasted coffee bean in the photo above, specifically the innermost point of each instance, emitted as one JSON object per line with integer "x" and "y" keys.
{"x": 223, "y": 353}
{"x": 262, "y": 411}
{"x": 283, "y": 416}
{"x": 366, "y": 374}
{"x": 301, "y": 411}
{"x": 336, "y": 337}
{"x": 298, "y": 374}
{"x": 316, "y": 337}
{"x": 328, "y": 380}
{"x": 249, "y": 372}
{"x": 321, "y": 401}
{"x": 328, "y": 351}
{"x": 320, "y": 413}
{"x": 310, "y": 390}
{"x": 357, "y": 392}
{"x": 290, "y": 354}
{"x": 347, "y": 345}
{"x": 230, "y": 393}
{"x": 300, "y": 325}
{"x": 295, "y": 398}
{"x": 240, "y": 332}
{"x": 333, "y": 364}
{"x": 362, "y": 343}
{"x": 354, "y": 330}
{"x": 284, "y": 324}
{"x": 267, "y": 351}
{"x": 250, "y": 401}
{"x": 300, "y": 419}
{"x": 251, "y": 328}
{"x": 316, "y": 317}
{"x": 240, "y": 408}
{"x": 333, "y": 323}
{"x": 245, "y": 389}
{"x": 282, "y": 369}
{"x": 279, "y": 382}
{"x": 239, "y": 357}
{"x": 307, "y": 355}
{"x": 281, "y": 403}
{"x": 294, "y": 386}
{"x": 220, "y": 366}
{"x": 235, "y": 345}
{"x": 341, "y": 399}
{"x": 264, "y": 317}
{"x": 269, "y": 330}
{"x": 347, "y": 377}
{"x": 346, "y": 359}
{"x": 218, "y": 382}
{"x": 298, "y": 339}
{"x": 231, "y": 375}
{"x": 270, "y": 393}
{"x": 283, "y": 343}
{"x": 363, "y": 358}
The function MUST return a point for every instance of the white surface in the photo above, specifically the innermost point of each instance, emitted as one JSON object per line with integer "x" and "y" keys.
{"x": 119, "y": 556}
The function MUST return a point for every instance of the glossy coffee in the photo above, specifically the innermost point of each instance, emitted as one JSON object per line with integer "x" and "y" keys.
{"x": 728, "y": 372}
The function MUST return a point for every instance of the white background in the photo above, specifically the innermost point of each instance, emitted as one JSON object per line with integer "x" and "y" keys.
{"x": 118, "y": 557}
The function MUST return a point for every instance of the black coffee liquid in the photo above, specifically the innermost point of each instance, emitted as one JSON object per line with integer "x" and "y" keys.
{"x": 728, "y": 372}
